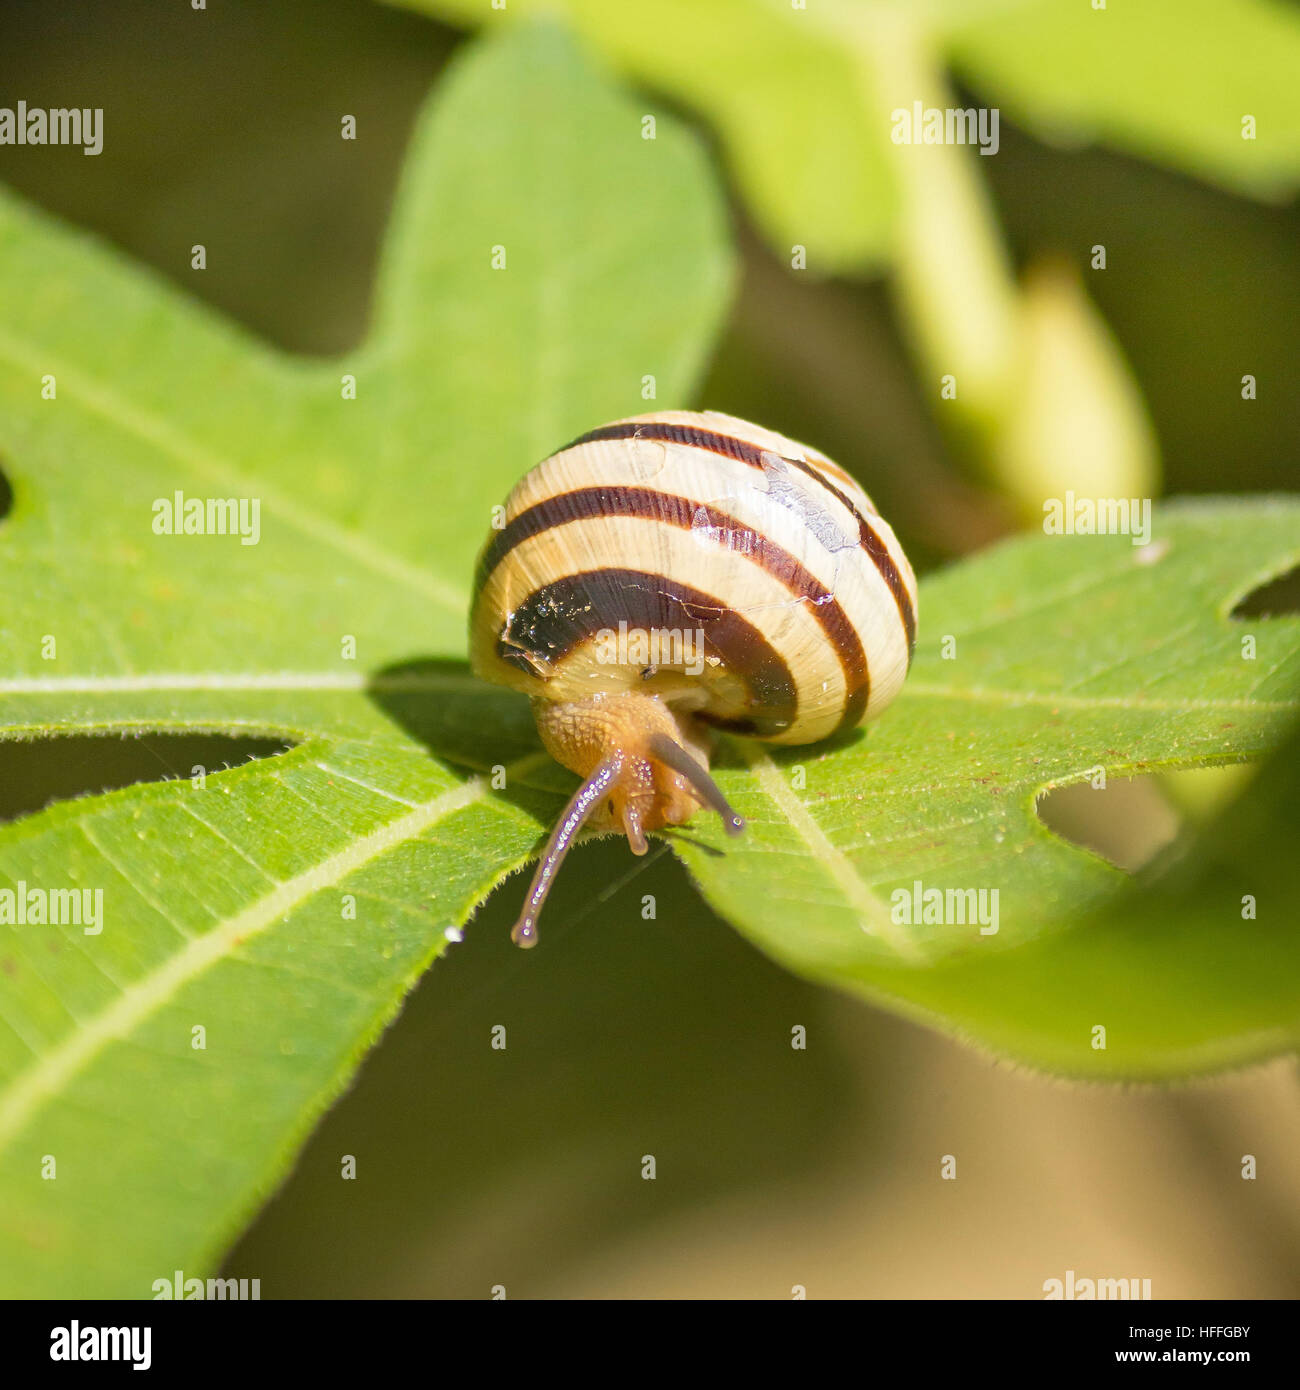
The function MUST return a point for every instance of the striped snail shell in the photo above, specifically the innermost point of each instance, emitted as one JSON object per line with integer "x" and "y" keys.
{"x": 672, "y": 574}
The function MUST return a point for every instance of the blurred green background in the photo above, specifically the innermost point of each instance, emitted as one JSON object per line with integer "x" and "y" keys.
{"x": 671, "y": 1037}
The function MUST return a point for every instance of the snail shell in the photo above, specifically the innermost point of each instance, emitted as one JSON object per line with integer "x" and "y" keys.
{"x": 676, "y": 573}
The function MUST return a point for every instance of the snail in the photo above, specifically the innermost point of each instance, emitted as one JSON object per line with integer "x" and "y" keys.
{"x": 675, "y": 574}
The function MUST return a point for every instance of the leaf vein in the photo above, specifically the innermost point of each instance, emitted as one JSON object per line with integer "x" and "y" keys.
{"x": 146, "y": 996}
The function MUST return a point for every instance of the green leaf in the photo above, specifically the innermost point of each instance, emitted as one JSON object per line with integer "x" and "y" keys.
{"x": 224, "y": 905}
{"x": 1069, "y": 655}
{"x": 796, "y": 98}
{"x": 1193, "y": 972}
{"x": 789, "y": 103}
{"x": 1169, "y": 80}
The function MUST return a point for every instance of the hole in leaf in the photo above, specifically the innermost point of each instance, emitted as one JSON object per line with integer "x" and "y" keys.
{"x": 35, "y": 773}
{"x": 6, "y": 495}
{"x": 1128, "y": 821}
{"x": 1132, "y": 820}
{"x": 1272, "y": 600}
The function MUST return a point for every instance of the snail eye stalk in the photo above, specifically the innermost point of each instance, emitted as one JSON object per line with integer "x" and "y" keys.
{"x": 584, "y": 801}
{"x": 702, "y": 784}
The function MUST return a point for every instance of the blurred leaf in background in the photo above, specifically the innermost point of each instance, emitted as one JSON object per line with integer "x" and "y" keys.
{"x": 789, "y": 92}
{"x": 794, "y": 92}
{"x": 1172, "y": 81}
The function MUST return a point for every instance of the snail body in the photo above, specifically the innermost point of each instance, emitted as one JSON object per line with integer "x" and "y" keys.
{"x": 673, "y": 574}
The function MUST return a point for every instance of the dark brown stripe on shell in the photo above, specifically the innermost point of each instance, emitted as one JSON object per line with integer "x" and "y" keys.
{"x": 584, "y": 504}
{"x": 752, "y": 454}
{"x": 555, "y": 619}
